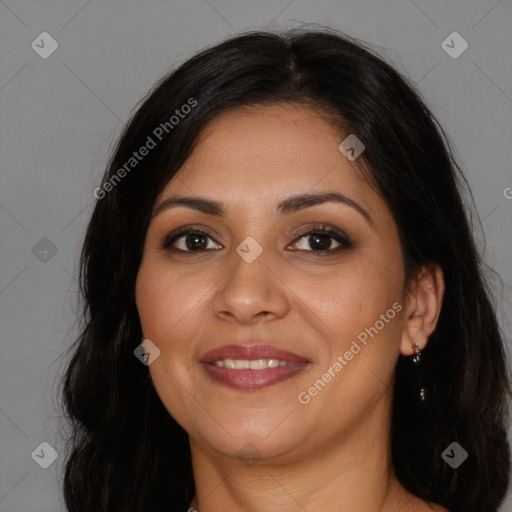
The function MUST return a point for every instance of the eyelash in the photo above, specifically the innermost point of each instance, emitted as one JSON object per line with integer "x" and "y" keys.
{"x": 320, "y": 228}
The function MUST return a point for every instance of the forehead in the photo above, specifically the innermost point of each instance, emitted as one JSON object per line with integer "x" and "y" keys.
{"x": 269, "y": 152}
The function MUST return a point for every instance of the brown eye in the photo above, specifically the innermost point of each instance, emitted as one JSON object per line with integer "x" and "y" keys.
{"x": 194, "y": 240}
{"x": 320, "y": 240}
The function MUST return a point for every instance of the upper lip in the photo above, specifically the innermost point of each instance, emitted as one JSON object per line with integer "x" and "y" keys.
{"x": 250, "y": 352}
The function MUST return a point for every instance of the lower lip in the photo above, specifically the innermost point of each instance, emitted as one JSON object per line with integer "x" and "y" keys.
{"x": 252, "y": 379}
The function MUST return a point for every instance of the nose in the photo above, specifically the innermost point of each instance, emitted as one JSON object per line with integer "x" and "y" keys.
{"x": 251, "y": 292}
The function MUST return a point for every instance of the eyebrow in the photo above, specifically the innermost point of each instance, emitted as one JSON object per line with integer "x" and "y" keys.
{"x": 290, "y": 205}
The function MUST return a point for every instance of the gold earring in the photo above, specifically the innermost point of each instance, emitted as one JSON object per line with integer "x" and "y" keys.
{"x": 416, "y": 359}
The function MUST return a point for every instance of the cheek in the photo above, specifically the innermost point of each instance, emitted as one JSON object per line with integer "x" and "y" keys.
{"x": 172, "y": 307}
{"x": 356, "y": 294}
{"x": 366, "y": 313}
{"x": 159, "y": 301}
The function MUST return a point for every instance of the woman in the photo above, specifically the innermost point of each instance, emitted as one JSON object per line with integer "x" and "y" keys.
{"x": 284, "y": 305}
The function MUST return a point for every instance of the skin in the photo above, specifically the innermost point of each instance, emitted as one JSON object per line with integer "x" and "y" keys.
{"x": 335, "y": 449}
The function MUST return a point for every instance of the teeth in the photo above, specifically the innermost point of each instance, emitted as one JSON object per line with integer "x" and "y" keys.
{"x": 256, "y": 364}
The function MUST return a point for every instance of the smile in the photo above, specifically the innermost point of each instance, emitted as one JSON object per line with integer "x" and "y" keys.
{"x": 251, "y": 367}
{"x": 256, "y": 364}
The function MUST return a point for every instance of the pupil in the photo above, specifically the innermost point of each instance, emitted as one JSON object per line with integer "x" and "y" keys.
{"x": 196, "y": 240}
{"x": 326, "y": 240}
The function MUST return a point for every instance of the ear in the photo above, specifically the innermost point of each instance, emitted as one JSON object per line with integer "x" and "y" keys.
{"x": 425, "y": 292}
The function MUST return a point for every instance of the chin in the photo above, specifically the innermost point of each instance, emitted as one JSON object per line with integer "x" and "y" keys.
{"x": 250, "y": 449}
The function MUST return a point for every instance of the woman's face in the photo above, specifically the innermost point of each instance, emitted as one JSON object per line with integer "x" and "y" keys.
{"x": 333, "y": 300}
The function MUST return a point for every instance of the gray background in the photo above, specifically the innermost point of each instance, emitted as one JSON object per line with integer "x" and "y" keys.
{"x": 60, "y": 115}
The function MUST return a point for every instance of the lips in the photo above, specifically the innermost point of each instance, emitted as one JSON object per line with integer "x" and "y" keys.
{"x": 252, "y": 379}
{"x": 251, "y": 352}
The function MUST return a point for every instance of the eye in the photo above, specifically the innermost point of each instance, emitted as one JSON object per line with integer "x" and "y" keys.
{"x": 195, "y": 239}
{"x": 320, "y": 239}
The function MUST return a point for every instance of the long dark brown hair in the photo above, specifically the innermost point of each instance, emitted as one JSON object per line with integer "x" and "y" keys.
{"x": 125, "y": 451}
